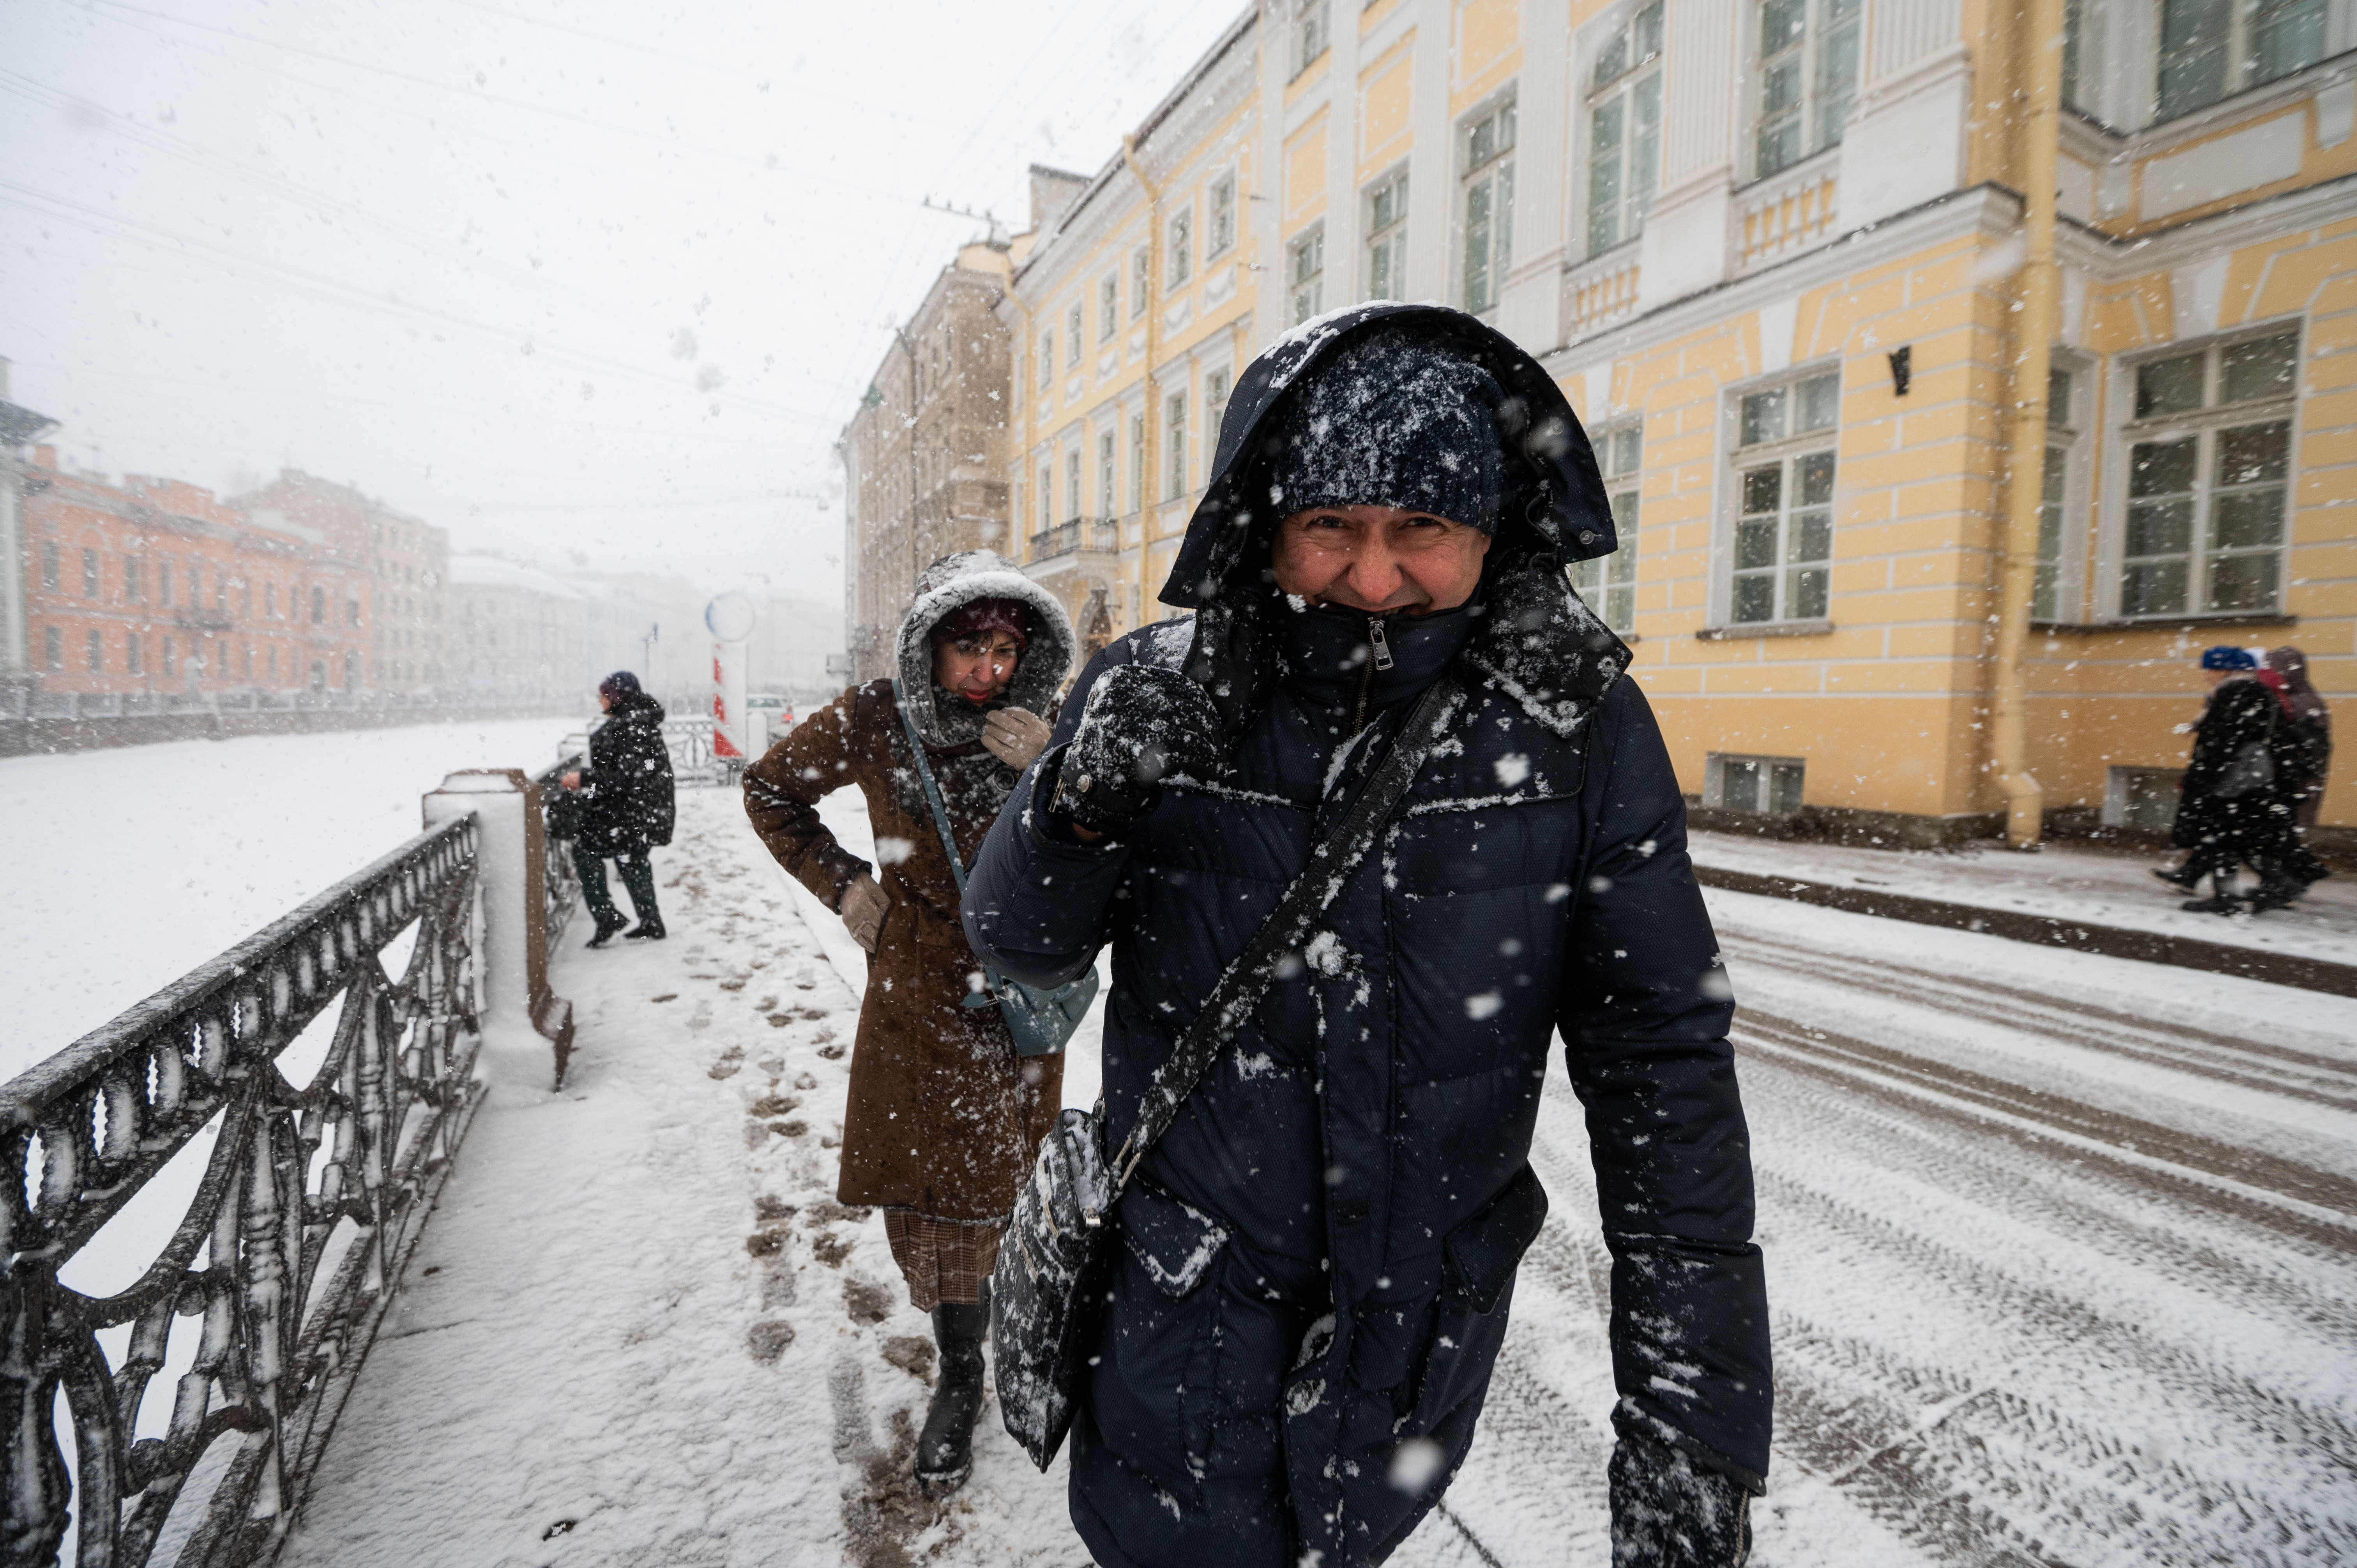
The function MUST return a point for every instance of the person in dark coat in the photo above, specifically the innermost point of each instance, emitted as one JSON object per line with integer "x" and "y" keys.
{"x": 2231, "y": 809}
{"x": 944, "y": 1117}
{"x": 2307, "y": 755}
{"x": 1318, "y": 1257}
{"x": 629, "y": 808}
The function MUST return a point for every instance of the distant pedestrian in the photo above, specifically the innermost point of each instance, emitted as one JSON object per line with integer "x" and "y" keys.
{"x": 2311, "y": 723}
{"x": 631, "y": 808}
{"x": 2231, "y": 810}
{"x": 944, "y": 1117}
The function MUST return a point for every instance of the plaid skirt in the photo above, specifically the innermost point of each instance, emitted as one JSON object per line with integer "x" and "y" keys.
{"x": 942, "y": 1260}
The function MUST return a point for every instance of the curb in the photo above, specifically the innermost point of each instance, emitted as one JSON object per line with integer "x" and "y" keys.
{"x": 2051, "y": 932}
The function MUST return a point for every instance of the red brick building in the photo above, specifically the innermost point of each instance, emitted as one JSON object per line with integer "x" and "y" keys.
{"x": 156, "y": 586}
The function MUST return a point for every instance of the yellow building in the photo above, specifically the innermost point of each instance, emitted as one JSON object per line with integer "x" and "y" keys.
{"x": 1773, "y": 250}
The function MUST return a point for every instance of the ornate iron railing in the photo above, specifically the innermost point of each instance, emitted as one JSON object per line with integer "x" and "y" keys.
{"x": 559, "y": 883}
{"x": 283, "y": 1264}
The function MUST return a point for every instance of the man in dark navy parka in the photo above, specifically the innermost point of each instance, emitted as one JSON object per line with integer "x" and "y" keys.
{"x": 1318, "y": 1257}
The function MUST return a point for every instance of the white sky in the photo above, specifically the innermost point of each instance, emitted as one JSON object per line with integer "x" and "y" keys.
{"x": 476, "y": 256}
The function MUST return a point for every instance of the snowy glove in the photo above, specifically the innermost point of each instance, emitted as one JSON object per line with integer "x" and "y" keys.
{"x": 862, "y": 908}
{"x": 1143, "y": 723}
{"x": 1668, "y": 1512}
{"x": 1015, "y": 736}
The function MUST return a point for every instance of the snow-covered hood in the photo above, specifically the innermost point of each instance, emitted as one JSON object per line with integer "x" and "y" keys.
{"x": 958, "y": 580}
{"x": 1534, "y": 639}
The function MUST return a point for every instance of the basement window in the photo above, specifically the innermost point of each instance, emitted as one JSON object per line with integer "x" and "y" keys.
{"x": 1767, "y": 784}
{"x": 2141, "y": 798}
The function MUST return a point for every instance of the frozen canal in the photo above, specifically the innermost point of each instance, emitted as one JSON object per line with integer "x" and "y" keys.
{"x": 2062, "y": 1257}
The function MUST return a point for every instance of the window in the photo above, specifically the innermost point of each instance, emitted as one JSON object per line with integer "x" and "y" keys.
{"x": 1047, "y": 358}
{"x": 1784, "y": 493}
{"x": 164, "y": 583}
{"x": 1609, "y": 583}
{"x": 1223, "y": 236}
{"x": 1180, "y": 265}
{"x": 49, "y": 565}
{"x": 1808, "y": 75}
{"x": 1072, "y": 483}
{"x": 1624, "y": 132}
{"x": 95, "y": 650}
{"x": 1387, "y": 239}
{"x": 1104, "y": 475}
{"x": 1771, "y": 785}
{"x": 1175, "y": 423}
{"x": 1138, "y": 462}
{"x": 2046, "y": 593}
{"x": 1309, "y": 35}
{"x": 271, "y": 659}
{"x": 1489, "y": 206}
{"x": 1108, "y": 307}
{"x": 1141, "y": 280}
{"x": 270, "y": 600}
{"x": 1047, "y": 497}
{"x": 2144, "y": 798}
{"x": 352, "y": 612}
{"x": 2209, "y": 471}
{"x": 318, "y": 607}
{"x": 1215, "y": 404}
{"x": 131, "y": 576}
{"x": 2213, "y": 48}
{"x": 53, "y": 650}
{"x": 131, "y": 652}
{"x": 1306, "y": 276}
{"x": 89, "y": 575}
{"x": 1072, "y": 335}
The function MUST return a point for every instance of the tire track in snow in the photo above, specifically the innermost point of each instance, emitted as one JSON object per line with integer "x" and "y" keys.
{"x": 2265, "y": 1066}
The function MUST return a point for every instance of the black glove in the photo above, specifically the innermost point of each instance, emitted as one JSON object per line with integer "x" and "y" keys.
{"x": 1669, "y": 1512}
{"x": 1143, "y": 723}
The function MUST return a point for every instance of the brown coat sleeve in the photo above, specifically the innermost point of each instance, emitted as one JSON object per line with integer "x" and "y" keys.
{"x": 818, "y": 756}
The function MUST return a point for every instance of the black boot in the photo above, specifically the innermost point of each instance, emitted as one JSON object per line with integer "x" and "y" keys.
{"x": 646, "y": 931}
{"x": 2185, "y": 877}
{"x": 606, "y": 930}
{"x": 945, "y": 1448}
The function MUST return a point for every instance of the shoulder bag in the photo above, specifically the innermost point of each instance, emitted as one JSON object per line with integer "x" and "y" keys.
{"x": 1049, "y": 1287}
{"x": 1040, "y": 1019}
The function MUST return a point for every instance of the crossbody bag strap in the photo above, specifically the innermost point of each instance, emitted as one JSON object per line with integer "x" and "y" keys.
{"x": 932, "y": 791}
{"x": 1248, "y": 978}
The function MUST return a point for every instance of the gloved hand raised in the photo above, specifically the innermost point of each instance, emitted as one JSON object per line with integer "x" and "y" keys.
{"x": 1670, "y": 1512}
{"x": 1143, "y": 723}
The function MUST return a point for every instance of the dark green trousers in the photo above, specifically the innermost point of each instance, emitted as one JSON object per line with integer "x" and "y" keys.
{"x": 638, "y": 876}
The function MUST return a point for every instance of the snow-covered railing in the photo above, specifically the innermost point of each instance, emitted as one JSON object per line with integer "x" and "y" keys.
{"x": 259, "y": 1309}
{"x": 560, "y": 881}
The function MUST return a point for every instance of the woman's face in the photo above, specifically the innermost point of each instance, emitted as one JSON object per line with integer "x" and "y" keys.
{"x": 977, "y": 667}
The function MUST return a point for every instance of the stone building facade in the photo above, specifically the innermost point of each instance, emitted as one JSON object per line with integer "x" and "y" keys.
{"x": 408, "y": 571}
{"x": 924, "y": 456}
{"x": 1775, "y": 253}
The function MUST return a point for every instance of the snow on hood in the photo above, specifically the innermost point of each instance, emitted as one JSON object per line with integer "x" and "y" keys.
{"x": 952, "y": 582}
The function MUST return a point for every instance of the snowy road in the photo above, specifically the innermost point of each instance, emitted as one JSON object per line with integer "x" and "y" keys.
{"x": 2062, "y": 1253}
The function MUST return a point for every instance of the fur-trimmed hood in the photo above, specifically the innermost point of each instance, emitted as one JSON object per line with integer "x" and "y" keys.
{"x": 950, "y": 582}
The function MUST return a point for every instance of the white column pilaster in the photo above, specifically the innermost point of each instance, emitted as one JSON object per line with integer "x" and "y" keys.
{"x": 1531, "y": 309}
{"x": 1685, "y": 246}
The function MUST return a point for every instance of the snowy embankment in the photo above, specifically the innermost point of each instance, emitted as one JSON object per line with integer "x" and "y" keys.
{"x": 128, "y": 868}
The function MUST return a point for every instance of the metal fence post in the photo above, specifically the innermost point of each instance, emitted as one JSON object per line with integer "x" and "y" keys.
{"x": 520, "y": 1015}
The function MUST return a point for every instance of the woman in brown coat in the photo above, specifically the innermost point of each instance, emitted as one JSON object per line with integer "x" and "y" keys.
{"x": 944, "y": 1117}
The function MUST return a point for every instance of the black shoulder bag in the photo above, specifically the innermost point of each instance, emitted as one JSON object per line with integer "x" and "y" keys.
{"x": 1049, "y": 1287}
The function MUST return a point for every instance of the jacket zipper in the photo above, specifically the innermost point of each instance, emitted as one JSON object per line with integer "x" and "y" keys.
{"x": 1382, "y": 660}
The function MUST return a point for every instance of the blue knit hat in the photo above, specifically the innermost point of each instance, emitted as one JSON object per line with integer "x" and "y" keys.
{"x": 2228, "y": 658}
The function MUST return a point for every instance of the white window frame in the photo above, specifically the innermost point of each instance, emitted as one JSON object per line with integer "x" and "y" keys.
{"x": 1047, "y": 358}
{"x": 1141, "y": 280}
{"x": 1609, "y": 582}
{"x": 1072, "y": 490}
{"x": 1788, "y": 451}
{"x": 1178, "y": 250}
{"x": 2238, "y": 72}
{"x": 1075, "y": 334}
{"x": 2058, "y": 591}
{"x": 1137, "y": 460}
{"x": 2204, "y": 426}
{"x": 1386, "y": 230}
{"x": 1174, "y": 432}
{"x": 1305, "y": 290}
{"x": 1106, "y": 498}
{"x": 1486, "y": 179}
{"x": 1108, "y": 307}
{"x": 1831, "y": 30}
{"x": 1634, "y": 53}
{"x": 1220, "y": 236}
{"x": 1308, "y": 34}
{"x": 1218, "y": 382}
{"x": 1047, "y": 497}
